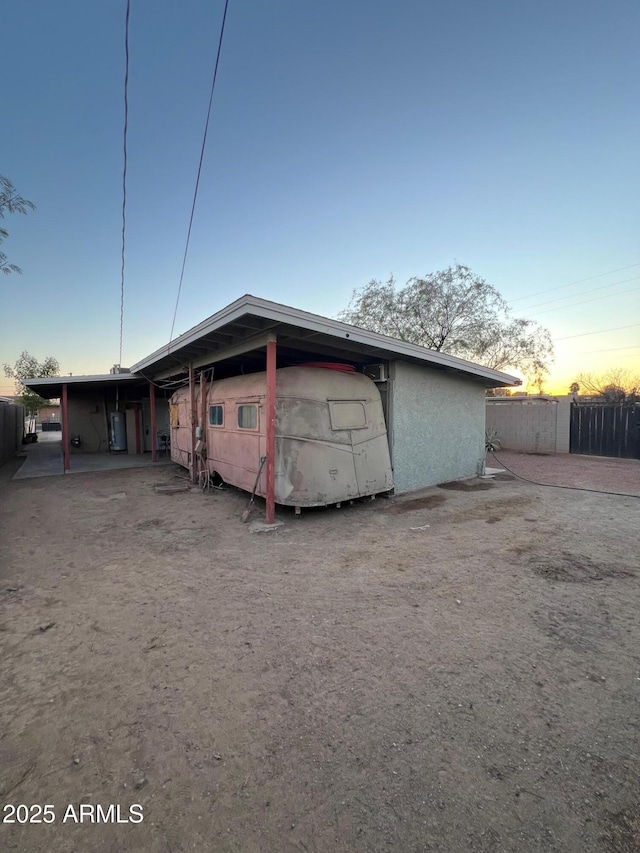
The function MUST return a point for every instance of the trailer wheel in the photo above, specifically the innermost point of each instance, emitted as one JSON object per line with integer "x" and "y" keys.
{"x": 216, "y": 481}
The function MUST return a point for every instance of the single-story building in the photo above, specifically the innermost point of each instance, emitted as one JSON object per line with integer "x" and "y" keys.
{"x": 434, "y": 403}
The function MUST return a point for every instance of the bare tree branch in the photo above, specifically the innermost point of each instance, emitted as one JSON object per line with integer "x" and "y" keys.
{"x": 458, "y": 312}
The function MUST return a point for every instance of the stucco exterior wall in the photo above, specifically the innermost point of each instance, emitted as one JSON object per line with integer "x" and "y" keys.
{"x": 531, "y": 424}
{"x": 437, "y": 426}
{"x": 87, "y": 419}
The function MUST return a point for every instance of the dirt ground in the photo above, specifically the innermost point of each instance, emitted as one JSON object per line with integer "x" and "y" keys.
{"x": 457, "y": 671}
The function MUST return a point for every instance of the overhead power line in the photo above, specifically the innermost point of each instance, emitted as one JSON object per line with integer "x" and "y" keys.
{"x": 204, "y": 142}
{"x": 571, "y": 283}
{"x": 598, "y": 332}
{"x": 615, "y": 349}
{"x": 585, "y": 301}
{"x": 584, "y": 293}
{"x": 124, "y": 169}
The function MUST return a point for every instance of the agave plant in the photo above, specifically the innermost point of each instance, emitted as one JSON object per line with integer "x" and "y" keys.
{"x": 491, "y": 440}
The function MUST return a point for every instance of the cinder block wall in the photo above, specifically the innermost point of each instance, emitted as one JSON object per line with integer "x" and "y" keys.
{"x": 530, "y": 424}
{"x": 436, "y": 426}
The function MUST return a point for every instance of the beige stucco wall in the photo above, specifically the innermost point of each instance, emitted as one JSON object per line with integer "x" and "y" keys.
{"x": 436, "y": 424}
{"x": 87, "y": 419}
{"x": 530, "y": 424}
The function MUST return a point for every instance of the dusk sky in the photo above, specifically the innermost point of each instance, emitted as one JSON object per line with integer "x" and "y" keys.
{"x": 348, "y": 141}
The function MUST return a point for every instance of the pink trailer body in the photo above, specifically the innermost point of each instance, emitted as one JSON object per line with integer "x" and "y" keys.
{"x": 331, "y": 438}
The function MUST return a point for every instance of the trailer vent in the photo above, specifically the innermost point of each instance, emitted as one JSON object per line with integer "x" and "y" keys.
{"x": 377, "y": 372}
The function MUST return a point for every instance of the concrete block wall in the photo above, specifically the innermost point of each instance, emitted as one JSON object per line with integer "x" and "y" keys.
{"x": 530, "y": 424}
{"x": 436, "y": 422}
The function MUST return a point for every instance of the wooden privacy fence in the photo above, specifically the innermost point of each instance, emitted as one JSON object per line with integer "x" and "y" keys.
{"x": 606, "y": 430}
{"x": 11, "y": 430}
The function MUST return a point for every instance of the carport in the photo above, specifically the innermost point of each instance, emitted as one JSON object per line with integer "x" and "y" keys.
{"x": 88, "y": 404}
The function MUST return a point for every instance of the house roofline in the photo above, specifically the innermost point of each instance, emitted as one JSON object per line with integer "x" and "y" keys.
{"x": 276, "y": 312}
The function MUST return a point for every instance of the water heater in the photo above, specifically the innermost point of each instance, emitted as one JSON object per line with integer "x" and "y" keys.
{"x": 118, "y": 431}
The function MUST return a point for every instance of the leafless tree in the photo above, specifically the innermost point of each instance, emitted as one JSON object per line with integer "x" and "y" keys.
{"x": 458, "y": 312}
{"x": 617, "y": 385}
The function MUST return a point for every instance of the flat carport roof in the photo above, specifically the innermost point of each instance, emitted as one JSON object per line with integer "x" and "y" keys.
{"x": 52, "y": 386}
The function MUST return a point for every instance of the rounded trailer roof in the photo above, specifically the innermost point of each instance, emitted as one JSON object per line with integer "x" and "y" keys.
{"x": 305, "y": 382}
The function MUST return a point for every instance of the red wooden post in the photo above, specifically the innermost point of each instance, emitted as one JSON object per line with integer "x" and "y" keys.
{"x": 203, "y": 405}
{"x": 271, "y": 432}
{"x": 194, "y": 418}
{"x": 203, "y": 418}
{"x": 65, "y": 428}
{"x": 152, "y": 414}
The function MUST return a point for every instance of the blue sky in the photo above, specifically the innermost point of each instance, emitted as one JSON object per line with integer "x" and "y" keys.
{"x": 348, "y": 141}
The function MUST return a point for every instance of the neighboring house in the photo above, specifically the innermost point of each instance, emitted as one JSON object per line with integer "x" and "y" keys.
{"x": 49, "y": 419}
{"x": 434, "y": 403}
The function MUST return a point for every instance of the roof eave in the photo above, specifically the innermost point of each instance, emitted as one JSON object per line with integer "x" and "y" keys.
{"x": 282, "y": 313}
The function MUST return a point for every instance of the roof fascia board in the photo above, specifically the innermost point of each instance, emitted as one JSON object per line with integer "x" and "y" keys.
{"x": 72, "y": 380}
{"x": 324, "y": 325}
{"x": 382, "y": 342}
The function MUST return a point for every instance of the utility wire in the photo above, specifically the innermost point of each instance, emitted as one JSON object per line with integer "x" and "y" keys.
{"x": 585, "y": 301}
{"x": 599, "y": 332}
{"x": 584, "y": 293}
{"x": 571, "y": 283}
{"x": 615, "y": 349}
{"x": 204, "y": 142}
{"x": 124, "y": 169}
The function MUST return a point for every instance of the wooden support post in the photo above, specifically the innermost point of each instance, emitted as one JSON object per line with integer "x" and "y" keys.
{"x": 152, "y": 417}
{"x": 203, "y": 420}
{"x": 271, "y": 431}
{"x": 194, "y": 417}
{"x": 203, "y": 405}
{"x": 65, "y": 428}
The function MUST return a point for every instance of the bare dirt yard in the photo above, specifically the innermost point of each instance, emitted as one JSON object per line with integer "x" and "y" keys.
{"x": 454, "y": 671}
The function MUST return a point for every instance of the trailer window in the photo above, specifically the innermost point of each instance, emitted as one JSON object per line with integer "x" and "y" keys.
{"x": 216, "y": 416}
{"x": 247, "y": 417}
{"x": 348, "y": 414}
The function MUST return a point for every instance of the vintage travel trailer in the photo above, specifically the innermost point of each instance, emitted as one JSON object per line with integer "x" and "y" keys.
{"x": 331, "y": 438}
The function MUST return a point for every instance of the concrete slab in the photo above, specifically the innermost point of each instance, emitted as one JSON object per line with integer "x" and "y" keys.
{"x": 262, "y": 527}
{"x": 44, "y": 459}
{"x": 92, "y": 462}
